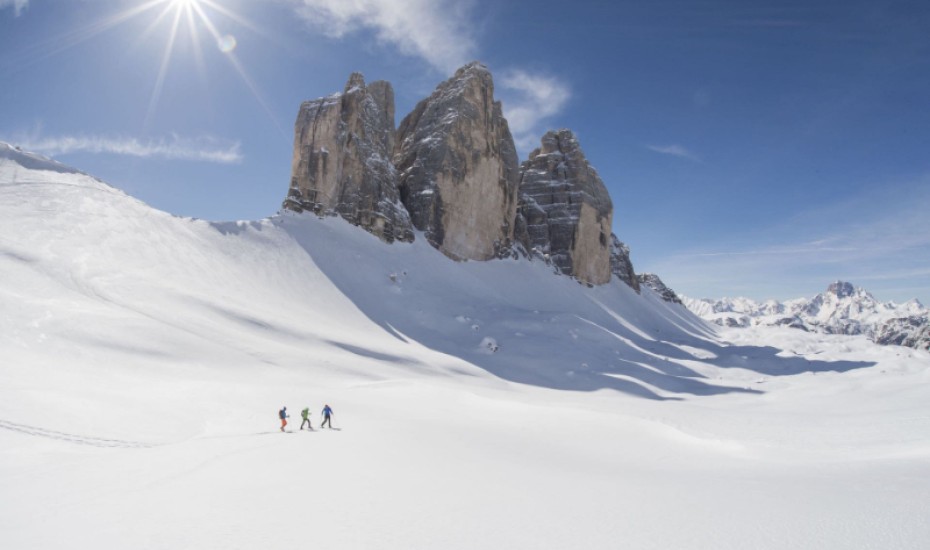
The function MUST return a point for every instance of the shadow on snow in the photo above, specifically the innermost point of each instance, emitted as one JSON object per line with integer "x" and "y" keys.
{"x": 589, "y": 339}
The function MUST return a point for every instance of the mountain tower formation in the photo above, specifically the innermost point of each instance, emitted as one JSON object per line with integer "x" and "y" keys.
{"x": 451, "y": 171}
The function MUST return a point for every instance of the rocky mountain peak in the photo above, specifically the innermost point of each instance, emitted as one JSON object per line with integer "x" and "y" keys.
{"x": 562, "y": 140}
{"x": 356, "y": 82}
{"x": 343, "y": 144}
{"x": 652, "y": 281}
{"x": 458, "y": 167}
{"x": 841, "y": 289}
{"x": 565, "y": 213}
{"x": 843, "y": 301}
{"x": 471, "y": 68}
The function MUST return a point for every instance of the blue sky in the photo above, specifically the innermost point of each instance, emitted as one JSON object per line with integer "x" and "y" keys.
{"x": 761, "y": 149}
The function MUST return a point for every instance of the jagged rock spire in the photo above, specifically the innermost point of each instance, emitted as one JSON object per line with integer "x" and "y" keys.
{"x": 343, "y": 145}
{"x": 620, "y": 263}
{"x": 458, "y": 167}
{"x": 565, "y": 212}
{"x": 651, "y": 280}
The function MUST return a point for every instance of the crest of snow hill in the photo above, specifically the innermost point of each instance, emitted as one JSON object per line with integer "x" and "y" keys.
{"x": 451, "y": 171}
{"x": 842, "y": 309}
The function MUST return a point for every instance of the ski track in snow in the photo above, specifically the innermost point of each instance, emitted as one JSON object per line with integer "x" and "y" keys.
{"x": 72, "y": 438}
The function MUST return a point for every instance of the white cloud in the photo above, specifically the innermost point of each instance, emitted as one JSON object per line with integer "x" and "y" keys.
{"x": 204, "y": 149}
{"x": 530, "y": 99}
{"x": 674, "y": 150}
{"x": 437, "y": 31}
{"x": 17, "y": 5}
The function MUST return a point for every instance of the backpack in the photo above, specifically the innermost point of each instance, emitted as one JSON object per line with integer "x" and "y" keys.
{"x": 282, "y": 414}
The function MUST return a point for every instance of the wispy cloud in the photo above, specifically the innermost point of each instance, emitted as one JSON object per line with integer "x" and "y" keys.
{"x": 529, "y": 100}
{"x": 675, "y": 151}
{"x": 203, "y": 149}
{"x": 437, "y": 31}
{"x": 17, "y": 5}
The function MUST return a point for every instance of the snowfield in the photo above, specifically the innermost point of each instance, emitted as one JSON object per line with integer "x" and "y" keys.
{"x": 477, "y": 404}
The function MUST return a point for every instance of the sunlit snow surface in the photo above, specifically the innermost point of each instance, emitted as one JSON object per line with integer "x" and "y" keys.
{"x": 145, "y": 357}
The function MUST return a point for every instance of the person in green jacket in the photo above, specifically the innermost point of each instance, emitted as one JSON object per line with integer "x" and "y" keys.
{"x": 305, "y": 414}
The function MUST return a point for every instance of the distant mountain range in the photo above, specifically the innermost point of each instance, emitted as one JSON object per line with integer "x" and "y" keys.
{"x": 841, "y": 309}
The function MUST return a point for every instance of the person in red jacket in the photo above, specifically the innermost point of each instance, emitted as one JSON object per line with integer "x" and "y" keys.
{"x": 283, "y": 415}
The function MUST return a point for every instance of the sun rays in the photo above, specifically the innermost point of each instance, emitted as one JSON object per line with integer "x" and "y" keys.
{"x": 194, "y": 15}
{"x": 178, "y": 7}
{"x": 198, "y": 21}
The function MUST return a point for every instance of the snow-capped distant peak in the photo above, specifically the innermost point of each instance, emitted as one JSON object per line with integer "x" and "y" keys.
{"x": 842, "y": 309}
{"x": 841, "y": 289}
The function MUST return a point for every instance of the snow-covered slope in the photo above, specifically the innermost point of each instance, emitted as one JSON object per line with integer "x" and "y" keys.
{"x": 481, "y": 404}
{"x": 842, "y": 309}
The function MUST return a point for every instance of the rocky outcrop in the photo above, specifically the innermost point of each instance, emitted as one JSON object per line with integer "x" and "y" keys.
{"x": 651, "y": 280}
{"x": 565, "y": 212}
{"x": 841, "y": 289}
{"x": 912, "y": 331}
{"x": 343, "y": 147}
{"x": 451, "y": 171}
{"x": 620, "y": 263}
{"x": 458, "y": 168}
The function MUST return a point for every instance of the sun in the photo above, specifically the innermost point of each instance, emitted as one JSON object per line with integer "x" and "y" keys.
{"x": 202, "y": 20}
{"x": 195, "y": 17}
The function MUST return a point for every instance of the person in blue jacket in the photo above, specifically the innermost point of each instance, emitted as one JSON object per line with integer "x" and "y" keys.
{"x": 327, "y": 414}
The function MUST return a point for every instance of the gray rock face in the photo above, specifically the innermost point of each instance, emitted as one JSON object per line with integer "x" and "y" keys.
{"x": 620, "y": 263}
{"x": 458, "y": 168}
{"x": 343, "y": 145}
{"x": 565, "y": 212}
{"x": 912, "y": 331}
{"x": 790, "y": 322}
{"x": 841, "y": 289}
{"x": 651, "y": 280}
